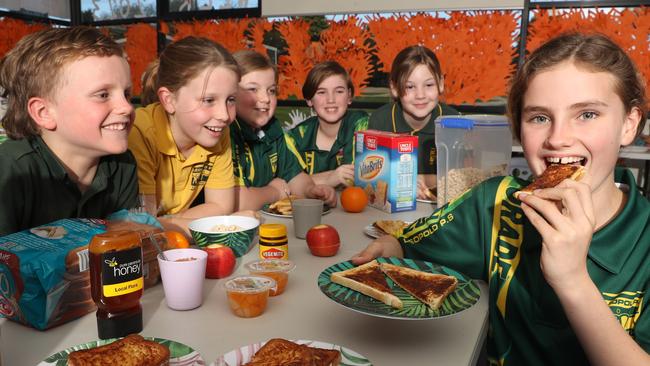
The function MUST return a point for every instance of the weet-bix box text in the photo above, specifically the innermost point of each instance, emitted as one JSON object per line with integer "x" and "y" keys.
{"x": 385, "y": 166}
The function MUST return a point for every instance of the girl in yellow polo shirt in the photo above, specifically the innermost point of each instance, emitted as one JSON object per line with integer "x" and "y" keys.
{"x": 180, "y": 139}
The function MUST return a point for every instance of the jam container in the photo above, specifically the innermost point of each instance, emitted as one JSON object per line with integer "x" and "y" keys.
{"x": 273, "y": 241}
{"x": 248, "y": 295}
{"x": 277, "y": 269}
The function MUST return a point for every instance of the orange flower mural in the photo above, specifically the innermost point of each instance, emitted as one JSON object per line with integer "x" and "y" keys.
{"x": 475, "y": 49}
{"x": 294, "y": 66}
{"x": 13, "y": 30}
{"x": 629, "y": 28}
{"x": 230, "y": 33}
{"x": 140, "y": 48}
{"x": 348, "y": 42}
{"x": 259, "y": 27}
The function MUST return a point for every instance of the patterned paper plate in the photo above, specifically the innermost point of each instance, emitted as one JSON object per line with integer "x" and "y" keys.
{"x": 465, "y": 296}
{"x": 374, "y": 232}
{"x": 240, "y": 356}
{"x": 180, "y": 354}
{"x": 265, "y": 210}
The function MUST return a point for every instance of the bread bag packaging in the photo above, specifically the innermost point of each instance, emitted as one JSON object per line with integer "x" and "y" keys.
{"x": 386, "y": 167}
{"x": 44, "y": 276}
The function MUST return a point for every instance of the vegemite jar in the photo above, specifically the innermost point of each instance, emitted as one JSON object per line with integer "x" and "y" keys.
{"x": 273, "y": 241}
{"x": 116, "y": 282}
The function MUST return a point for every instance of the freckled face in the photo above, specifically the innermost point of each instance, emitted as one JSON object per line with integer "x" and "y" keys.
{"x": 331, "y": 100}
{"x": 257, "y": 99}
{"x": 574, "y": 116}
{"x": 421, "y": 94}
{"x": 204, "y": 107}
{"x": 91, "y": 107}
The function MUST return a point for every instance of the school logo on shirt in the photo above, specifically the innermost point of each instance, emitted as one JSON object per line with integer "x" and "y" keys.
{"x": 432, "y": 156}
{"x": 626, "y": 307}
{"x": 200, "y": 174}
{"x": 339, "y": 157}
{"x": 273, "y": 160}
{"x": 309, "y": 160}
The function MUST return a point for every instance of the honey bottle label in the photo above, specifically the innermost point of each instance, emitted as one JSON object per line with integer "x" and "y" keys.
{"x": 122, "y": 272}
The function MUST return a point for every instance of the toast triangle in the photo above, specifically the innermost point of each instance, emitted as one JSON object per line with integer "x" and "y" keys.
{"x": 430, "y": 288}
{"x": 369, "y": 280}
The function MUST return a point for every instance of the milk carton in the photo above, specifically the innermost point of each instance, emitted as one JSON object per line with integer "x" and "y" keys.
{"x": 386, "y": 166}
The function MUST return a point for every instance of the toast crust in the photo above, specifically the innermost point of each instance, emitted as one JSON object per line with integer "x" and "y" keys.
{"x": 554, "y": 175}
{"x": 370, "y": 281}
{"x": 132, "y": 350}
{"x": 430, "y": 288}
{"x": 391, "y": 227}
{"x": 278, "y": 351}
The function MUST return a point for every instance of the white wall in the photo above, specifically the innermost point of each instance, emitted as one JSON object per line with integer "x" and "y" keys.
{"x": 309, "y": 7}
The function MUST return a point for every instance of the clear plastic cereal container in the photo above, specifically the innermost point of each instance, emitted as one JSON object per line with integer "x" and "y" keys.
{"x": 470, "y": 149}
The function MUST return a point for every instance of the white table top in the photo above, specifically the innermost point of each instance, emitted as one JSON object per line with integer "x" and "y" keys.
{"x": 302, "y": 312}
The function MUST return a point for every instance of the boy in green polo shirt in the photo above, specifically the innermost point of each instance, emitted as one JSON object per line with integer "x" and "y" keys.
{"x": 68, "y": 121}
{"x": 567, "y": 266}
{"x": 416, "y": 83}
{"x": 326, "y": 140}
{"x": 266, "y": 163}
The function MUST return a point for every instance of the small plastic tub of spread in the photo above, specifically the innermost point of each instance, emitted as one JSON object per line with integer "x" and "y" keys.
{"x": 277, "y": 269}
{"x": 248, "y": 295}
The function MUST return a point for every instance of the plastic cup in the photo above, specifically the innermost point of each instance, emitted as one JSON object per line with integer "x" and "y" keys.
{"x": 182, "y": 275}
{"x": 277, "y": 269}
{"x": 307, "y": 213}
{"x": 248, "y": 295}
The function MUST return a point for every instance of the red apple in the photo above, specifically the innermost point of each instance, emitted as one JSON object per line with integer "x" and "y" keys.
{"x": 221, "y": 261}
{"x": 323, "y": 240}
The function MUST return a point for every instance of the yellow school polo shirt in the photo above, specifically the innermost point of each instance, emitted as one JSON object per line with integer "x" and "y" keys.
{"x": 164, "y": 171}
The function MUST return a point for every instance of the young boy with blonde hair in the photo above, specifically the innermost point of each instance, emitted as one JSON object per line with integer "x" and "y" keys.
{"x": 68, "y": 118}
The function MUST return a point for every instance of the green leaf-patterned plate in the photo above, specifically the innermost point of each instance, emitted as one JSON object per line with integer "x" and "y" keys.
{"x": 240, "y": 356}
{"x": 180, "y": 354}
{"x": 465, "y": 296}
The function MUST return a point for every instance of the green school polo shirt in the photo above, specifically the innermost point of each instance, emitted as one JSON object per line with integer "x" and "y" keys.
{"x": 390, "y": 117}
{"x": 260, "y": 156}
{"x": 342, "y": 151}
{"x": 35, "y": 188}
{"x": 485, "y": 234}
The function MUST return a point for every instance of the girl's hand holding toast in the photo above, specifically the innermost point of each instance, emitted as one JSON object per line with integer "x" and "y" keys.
{"x": 564, "y": 217}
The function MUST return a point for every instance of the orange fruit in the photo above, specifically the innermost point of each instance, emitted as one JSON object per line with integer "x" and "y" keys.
{"x": 176, "y": 240}
{"x": 354, "y": 199}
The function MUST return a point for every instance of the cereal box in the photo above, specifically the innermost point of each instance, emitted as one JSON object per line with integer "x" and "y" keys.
{"x": 385, "y": 166}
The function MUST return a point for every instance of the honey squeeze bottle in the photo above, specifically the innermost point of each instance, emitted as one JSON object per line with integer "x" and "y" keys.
{"x": 116, "y": 282}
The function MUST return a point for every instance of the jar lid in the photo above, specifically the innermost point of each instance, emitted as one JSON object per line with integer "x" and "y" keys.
{"x": 270, "y": 265}
{"x": 250, "y": 284}
{"x": 273, "y": 230}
